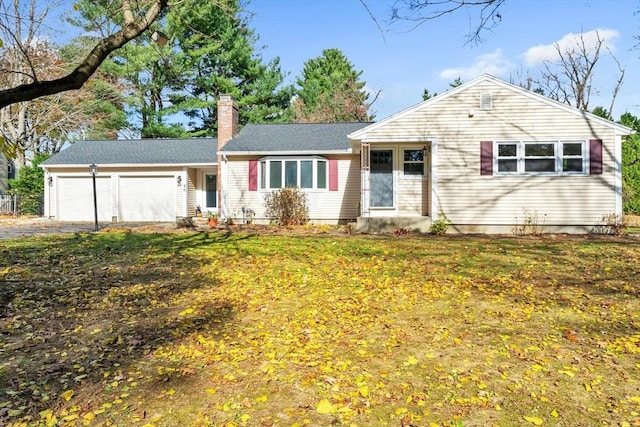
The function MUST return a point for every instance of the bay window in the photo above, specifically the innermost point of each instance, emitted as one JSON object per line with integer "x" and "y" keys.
{"x": 306, "y": 172}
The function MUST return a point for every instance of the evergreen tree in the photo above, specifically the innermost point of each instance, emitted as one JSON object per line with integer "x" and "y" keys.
{"x": 173, "y": 88}
{"x": 330, "y": 91}
{"x": 218, "y": 56}
{"x": 631, "y": 165}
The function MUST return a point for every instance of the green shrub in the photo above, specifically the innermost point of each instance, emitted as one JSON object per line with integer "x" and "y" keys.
{"x": 29, "y": 186}
{"x": 440, "y": 226}
{"x": 287, "y": 206}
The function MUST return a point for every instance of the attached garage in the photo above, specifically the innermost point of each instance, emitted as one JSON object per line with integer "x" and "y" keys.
{"x": 147, "y": 198}
{"x": 137, "y": 180}
{"x": 75, "y": 198}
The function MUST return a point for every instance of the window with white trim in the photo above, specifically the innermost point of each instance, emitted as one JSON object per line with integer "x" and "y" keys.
{"x": 305, "y": 172}
{"x": 413, "y": 161}
{"x": 553, "y": 157}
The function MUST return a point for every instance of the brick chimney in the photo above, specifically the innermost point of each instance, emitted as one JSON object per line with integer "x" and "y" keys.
{"x": 227, "y": 120}
{"x": 227, "y": 128}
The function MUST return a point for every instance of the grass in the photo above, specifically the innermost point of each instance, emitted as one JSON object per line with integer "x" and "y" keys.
{"x": 217, "y": 329}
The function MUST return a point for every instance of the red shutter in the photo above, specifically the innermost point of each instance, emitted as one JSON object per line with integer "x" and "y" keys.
{"x": 333, "y": 175}
{"x": 253, "y": 175}
{"x": 486, "y": 157}
{"x": 595, "y": 157}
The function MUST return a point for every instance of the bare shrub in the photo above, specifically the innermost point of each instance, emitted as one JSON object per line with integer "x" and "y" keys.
{"x": 287, "y": 206}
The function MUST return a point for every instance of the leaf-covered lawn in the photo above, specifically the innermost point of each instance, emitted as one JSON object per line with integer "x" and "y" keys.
{"x": 236, "y": 329}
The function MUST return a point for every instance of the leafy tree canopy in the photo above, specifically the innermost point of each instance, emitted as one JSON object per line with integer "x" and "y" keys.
{"x": 329, "y": 90}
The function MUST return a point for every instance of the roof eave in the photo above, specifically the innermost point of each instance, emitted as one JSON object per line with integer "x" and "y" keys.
{"x": 284, "y": 153}
{"x": 129, "y": 165}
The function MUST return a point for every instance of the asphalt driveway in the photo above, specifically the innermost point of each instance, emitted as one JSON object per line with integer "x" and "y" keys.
{"x": 11, "y": 228}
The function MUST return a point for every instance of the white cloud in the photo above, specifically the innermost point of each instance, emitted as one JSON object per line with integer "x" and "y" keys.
{"x": 492, "y": 63}
{"x": 541, "y": 53}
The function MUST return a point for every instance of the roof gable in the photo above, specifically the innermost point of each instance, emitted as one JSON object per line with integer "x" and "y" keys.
{"x": 489, "y": 80}
{"x": 292, "y": 138}
{"x": 138, "y": 152}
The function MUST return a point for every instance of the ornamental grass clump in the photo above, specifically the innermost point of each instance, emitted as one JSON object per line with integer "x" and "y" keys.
{"x": 287, "y": 206}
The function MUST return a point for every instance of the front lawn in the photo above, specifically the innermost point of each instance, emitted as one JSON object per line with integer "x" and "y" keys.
{"x": 215, "y": 329}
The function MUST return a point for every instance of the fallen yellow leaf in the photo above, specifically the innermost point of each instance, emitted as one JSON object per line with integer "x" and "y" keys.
{"x": 412, "y": 360}
{"x": 534, "y": 420}
{"x": 67, "y": 395}
{"x": 363, "y": 390}
{"x": 325, "y": 407}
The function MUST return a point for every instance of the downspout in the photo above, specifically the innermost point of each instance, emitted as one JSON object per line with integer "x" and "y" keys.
{"x": 435, "y": 209}
{"x": 223, "y": 196}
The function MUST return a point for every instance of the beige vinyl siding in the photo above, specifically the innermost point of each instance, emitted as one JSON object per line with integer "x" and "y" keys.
{"x": 191, "y": 192}
{"x": 237, "y": 189}
{"x": 324, "y": 206}
{"x": 412, "y": 196}
{"x": 466, "y": 197}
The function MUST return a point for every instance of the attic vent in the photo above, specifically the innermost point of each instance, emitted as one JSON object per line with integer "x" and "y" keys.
{"x": 486, "y": 101}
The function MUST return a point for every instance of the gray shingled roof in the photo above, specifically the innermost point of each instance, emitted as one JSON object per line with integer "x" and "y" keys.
{"x": 141, "y": 151}
{"x": 293, "y": 137}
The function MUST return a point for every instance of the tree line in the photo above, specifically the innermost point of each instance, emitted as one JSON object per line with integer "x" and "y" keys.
{"x": 144, "y": 69}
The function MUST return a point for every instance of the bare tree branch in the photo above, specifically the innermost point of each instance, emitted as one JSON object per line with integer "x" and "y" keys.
{"x": 618, "y": 83}
{"x": 421, "y": 11}
{"x": 364, "y": 4}
{"x": 76, "y": 78}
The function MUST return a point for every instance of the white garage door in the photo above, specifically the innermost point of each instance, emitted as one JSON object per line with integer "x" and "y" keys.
{"x": 147, "y": 198}
{"x": 75, "y": 198}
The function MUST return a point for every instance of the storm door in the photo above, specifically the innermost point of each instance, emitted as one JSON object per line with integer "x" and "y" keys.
{"x": 381, "y": 174}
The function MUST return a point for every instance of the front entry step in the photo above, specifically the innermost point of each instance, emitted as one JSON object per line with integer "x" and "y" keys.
{"x": 390, "y": 224}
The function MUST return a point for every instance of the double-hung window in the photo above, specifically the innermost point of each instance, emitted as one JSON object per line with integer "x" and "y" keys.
{"x": 413, "y": 162}
{"x": 553, "y": 157}
{"x": 306, "y": 173}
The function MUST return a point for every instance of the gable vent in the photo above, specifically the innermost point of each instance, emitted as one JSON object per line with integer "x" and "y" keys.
{"x": 486, "y": 101}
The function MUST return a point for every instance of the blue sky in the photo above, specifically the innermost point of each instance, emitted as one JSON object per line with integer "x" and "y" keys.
{"x": 401, "y": 64}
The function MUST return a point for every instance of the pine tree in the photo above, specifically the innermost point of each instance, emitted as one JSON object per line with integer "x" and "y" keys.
{"x": 330, "y": 91}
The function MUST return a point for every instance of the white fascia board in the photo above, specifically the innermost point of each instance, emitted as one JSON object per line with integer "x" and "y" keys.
{"x": 131, "y": 165}
{"x": 285, "y": 153}
{"x": 399, "y": 139}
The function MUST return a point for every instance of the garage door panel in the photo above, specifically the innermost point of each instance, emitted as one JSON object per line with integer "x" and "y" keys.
{"x": 147, "y": 198}
{"x": 75, "y": 198}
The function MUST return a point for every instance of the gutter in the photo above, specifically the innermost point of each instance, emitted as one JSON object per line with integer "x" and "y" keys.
{"x": 126, "y": 165}
{"x": 285, "y": 153}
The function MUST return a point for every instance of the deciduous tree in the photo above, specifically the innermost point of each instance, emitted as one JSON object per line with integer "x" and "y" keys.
{"x": 45, "y": 124}
{"x": 418, "y": 12}
{"x": 30, "y": 84}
